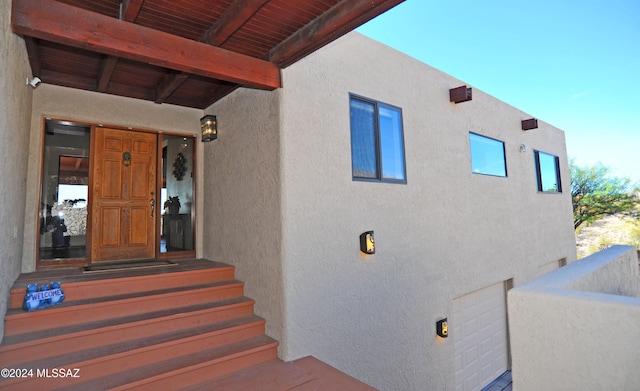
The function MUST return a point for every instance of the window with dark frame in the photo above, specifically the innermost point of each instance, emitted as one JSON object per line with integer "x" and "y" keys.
{"x": 377, "y": 141}
{"x": 547, "y": 172}
{"x": 487, "y": 155}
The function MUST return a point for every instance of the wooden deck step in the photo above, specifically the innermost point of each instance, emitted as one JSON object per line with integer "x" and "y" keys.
{"x": 94, "y": 309}
{"x": 154, "y": 328}
{"x": 183, "y": 326}
{"x": 23, "y": 348}
{"x": 113, "y": 359}
{"x": 78, "y": 285}
{"x": 188, "y": 370}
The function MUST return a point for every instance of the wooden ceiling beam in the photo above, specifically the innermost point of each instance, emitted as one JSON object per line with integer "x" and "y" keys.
{"x": 106, "y": 70}
{"x": 50, "y": 20}
{"x": 332, "y": 24}
{"x": 228, "y": 23}
{"x": 233, "y": 17}
{"x": 131, "y": 9}
{"x": 170, "y": 83}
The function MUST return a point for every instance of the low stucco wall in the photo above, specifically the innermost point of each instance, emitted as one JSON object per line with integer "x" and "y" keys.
{"x": 578, "y": 328}
{"x": 15, "y": 116}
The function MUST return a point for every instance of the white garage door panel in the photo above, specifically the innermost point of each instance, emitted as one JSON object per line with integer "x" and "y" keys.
{"x": 480, "y": 337}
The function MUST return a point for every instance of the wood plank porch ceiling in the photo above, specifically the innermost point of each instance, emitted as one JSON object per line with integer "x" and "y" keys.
{"x": 183, "y": 52}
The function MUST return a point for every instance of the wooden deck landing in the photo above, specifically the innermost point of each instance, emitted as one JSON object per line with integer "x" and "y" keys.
{"x": 306, "y": 374}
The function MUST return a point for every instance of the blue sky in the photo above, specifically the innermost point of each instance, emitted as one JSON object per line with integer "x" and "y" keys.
{"x": 574, "y": 64}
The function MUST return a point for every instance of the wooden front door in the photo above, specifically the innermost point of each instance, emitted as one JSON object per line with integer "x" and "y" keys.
{"x": 123, "y": 217}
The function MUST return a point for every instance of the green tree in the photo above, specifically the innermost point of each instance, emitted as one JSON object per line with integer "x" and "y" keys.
{"x": 595, "y": 194}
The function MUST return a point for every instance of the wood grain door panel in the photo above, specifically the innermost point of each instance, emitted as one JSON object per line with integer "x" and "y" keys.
{"x": 110, "y": 217}
{"x": 123, "y": 222}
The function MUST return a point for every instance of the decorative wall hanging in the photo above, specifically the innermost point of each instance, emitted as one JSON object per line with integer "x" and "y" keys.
{"x": 45, "y": 297}
{"x": 179, "y": 167}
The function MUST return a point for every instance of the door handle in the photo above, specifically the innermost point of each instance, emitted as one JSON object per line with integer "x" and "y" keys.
{"x": 152, "y": 202}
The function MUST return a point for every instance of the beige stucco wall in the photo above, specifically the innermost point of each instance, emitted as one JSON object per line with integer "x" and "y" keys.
{"x": 51, "y": 101}
{"x": 15, "y": 115}
{"x": 577, "y": 328}
{"x": 447, "y": 232}
{"x": 243, "y": 209}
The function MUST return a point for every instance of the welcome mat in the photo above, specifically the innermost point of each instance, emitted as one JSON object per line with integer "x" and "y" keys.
{"x": 115, "y": 266}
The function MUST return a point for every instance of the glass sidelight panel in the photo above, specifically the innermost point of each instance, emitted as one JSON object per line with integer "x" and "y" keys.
{"x": 176, "y": 196}
{"x": 64, "y": 191}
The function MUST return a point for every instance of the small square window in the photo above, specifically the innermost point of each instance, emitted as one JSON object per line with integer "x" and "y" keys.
{"x": 487, "y": 156}
{"x": 377, "y": 141}
{"x": 548, "y": 172}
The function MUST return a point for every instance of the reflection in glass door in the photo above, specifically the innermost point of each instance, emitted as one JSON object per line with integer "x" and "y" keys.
{"x": 64, "y": 191}
{"x": 176, "y": 195}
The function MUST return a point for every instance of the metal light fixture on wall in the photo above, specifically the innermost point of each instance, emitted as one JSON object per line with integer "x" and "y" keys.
{"x": 209, "y": 127}
{"x": 367, "y": 243}
{"x": 442, "y": 328}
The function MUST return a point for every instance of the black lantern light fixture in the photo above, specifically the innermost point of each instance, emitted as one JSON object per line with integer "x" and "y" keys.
{"x": 209, "y": 127}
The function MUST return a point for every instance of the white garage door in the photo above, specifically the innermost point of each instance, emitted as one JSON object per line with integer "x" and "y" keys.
{"x": 479, "y": 332}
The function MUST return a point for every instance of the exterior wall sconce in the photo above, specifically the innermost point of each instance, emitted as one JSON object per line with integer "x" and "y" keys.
{"x": 523, "y": 148}
{"x": 460, "y": 94}
{"x": 442, "y": 328}
{"x": 367, "y": 243}
{"x": 209, "y": 127}
{"x": 528, "y": 124}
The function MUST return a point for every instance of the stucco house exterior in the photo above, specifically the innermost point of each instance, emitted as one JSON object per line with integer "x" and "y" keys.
{"x": 464, "y": 205}
{"x": 441, "y": 236}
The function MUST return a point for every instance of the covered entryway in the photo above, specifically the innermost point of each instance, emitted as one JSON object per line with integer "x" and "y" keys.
{"x": 481, "y": 344}
{"x": 110, "y": 194}
{"x": 181, "y": 53}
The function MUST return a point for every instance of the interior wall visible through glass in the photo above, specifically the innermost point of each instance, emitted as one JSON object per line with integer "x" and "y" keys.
{"x": 176, "y": 195}
{"x": 64, "y": 191}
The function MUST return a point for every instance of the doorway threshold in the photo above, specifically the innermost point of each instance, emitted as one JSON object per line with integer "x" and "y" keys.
{"x": 128, "y": 265}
